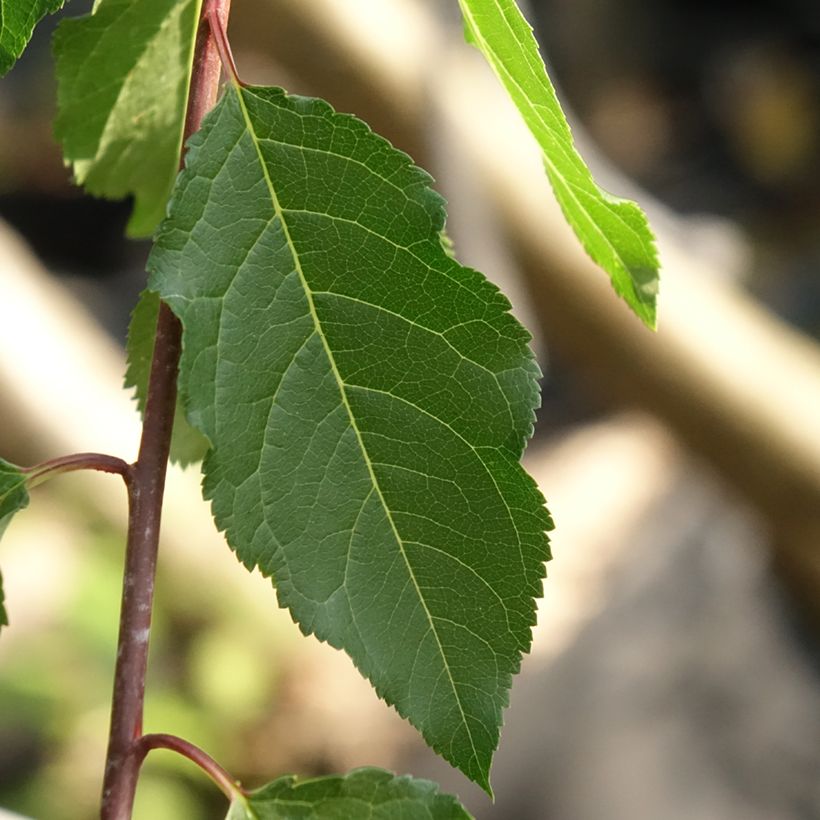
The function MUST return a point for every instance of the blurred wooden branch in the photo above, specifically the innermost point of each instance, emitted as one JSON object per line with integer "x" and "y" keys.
{"x": 60, "y": 392}
{"x": 736, "y": 385}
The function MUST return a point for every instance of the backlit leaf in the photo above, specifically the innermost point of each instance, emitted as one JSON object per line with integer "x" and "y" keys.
{"x": 367, "y": 399}
{"x": 17, "y": 21}
{"x": 614, "y": 231}
{"x": 122, "y": 75}
{"x": 364, "y": 794}
{"x": 13, "y": 498}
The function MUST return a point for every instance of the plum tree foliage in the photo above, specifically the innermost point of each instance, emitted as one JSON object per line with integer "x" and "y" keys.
{"x": 358, "y": 399}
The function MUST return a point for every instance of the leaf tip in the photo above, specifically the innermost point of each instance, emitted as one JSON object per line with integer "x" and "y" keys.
{"x": 486, "y": 786}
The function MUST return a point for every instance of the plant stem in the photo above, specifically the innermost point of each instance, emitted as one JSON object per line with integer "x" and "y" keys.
{"x": 230, "y": 787}
{"x": 223, "y": 47}
{"x": 77, "y": 461}
{"x": 147, "y": 487}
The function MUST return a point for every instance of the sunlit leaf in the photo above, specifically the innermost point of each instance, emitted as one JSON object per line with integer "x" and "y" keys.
{"x": 614, "y": 231}
{"x": 123, "y": 75}
{"x": 367, "y": 399}
{"x": 17, "y": 21}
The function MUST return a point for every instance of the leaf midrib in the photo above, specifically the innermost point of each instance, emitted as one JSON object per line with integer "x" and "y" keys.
{"x": 341, "y": 385}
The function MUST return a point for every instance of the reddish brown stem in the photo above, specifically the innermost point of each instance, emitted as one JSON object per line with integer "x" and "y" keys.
{"x": 147, "y": 488}
{"x": 230, "y": 787}
{"x": 223, "y": 47}
{"x": 77, "y": 461}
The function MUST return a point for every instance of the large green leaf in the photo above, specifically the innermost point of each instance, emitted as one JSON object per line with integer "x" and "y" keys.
{"x": 123, "y": 74}
{"x": 367, "y": 400}
{"x": 614, "y": 231}
{"x": 364, "y": 794}
{"x": 17, "y": 21}
{"x": 13, "y": 498}
{"x": 187, "y": 444}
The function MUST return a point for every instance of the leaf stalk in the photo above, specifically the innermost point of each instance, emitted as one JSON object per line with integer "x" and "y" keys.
{"x": 223, "y": 46}
{"x": 230, "y": 787}
{"x": 40, "y": 473}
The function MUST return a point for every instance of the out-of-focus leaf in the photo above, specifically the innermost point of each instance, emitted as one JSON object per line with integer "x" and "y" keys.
{"x": 17, "y": 21}
{"x": 13, "y": 498}
{"x": 614, "y": 231}
{"x": 363, "y": 794}
{"x": 188, "y": 445}
{"x": 122, "y": 90}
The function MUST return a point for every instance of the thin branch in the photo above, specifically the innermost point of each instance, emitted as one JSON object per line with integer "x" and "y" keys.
{"x": 147, "y": 489}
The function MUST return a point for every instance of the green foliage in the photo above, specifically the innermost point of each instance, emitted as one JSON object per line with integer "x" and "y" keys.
{"x": 17, "y": 21}
{"x": 614, "y": 231}
{"x": 187, "y": 444}
{"x": 364, "y": 793}
{"x": 13, "y": 498}
{"x": 361, "y": 400}
{"x": 367, "y": 399}
{"x": 123, "y": 74}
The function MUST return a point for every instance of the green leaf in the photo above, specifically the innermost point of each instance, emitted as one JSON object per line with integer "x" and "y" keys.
{"x": 447, "y": 243}
{"x": 17, "y": 21}
{"x": 367, "y": 399}
{"x": 13, "y": 498}
{"x": 363, "y": 794}
{"x": 188, "y": 445}
{"x": 614, "y": 231}
{"x": 122, "y": 75}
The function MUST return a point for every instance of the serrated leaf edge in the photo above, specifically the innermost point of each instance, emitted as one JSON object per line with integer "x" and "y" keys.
{"x": 354, "y": 426}
{"x": 529, "y": 362}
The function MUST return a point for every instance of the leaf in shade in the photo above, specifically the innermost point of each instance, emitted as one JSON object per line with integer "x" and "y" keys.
{"x": 188, "y": 445}
{"x": 363, "y": 794}
{"x": 13, "y": 498}
{"x": 122, "y": 89}
{"x": 614, "y": 232}
{"x": 17, "y": 21}
{"x": 367, "y": 399}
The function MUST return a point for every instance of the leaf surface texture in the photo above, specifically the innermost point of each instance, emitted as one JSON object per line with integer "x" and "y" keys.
{"x": 614, "y": 232}
{"x": 17, "y": 21}
{"x": 367, "y": 399}
{"x": 363, "y": 794}
{"x": 122, "y": 89}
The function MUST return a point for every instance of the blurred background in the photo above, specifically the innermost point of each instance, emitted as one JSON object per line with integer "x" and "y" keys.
{"x": 675, "y": 671}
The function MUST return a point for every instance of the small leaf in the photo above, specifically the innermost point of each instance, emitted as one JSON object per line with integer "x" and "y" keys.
{"x": 13, "y": 498}
{"x": 17, "y": 21}
{"x": 122, "y": 90}
{"x": 614, "y": 232}
{"x": 363, "y": 794}
{"x": 367, "y": 399}
{"x": 188, "y": 445}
